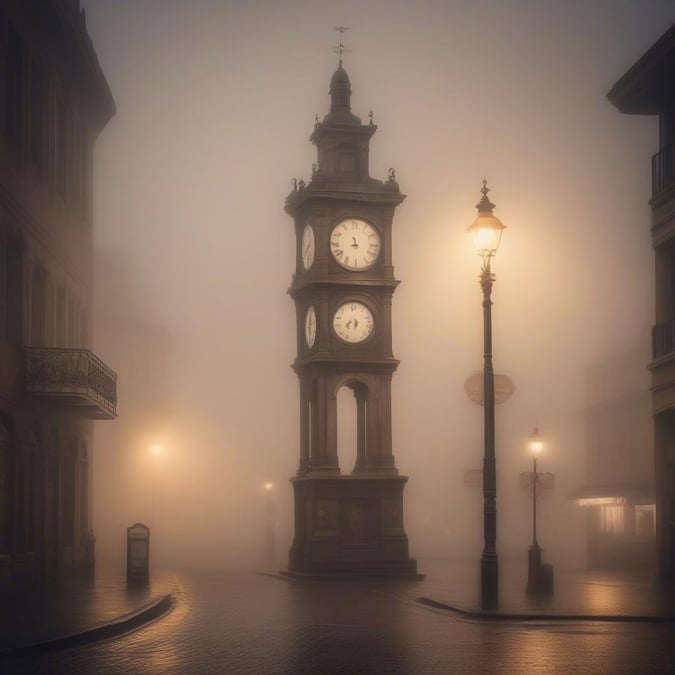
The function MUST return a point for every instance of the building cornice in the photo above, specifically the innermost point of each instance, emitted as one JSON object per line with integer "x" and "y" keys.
{"x": 645, "y": 89}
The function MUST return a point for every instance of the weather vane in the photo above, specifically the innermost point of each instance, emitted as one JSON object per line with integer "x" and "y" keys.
{"x": 340, "y": 49}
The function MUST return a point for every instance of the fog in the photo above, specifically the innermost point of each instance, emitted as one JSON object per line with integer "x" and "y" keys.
{"x": 215, "y": 104}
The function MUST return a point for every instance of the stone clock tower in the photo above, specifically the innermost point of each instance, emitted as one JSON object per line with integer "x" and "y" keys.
{"x": 348, "y": 520}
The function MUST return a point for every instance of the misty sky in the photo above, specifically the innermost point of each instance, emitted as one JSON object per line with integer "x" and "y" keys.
{"x": 215, "y": 104}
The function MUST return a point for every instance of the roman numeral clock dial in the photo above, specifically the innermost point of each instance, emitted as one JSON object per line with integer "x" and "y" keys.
{"x": 355, "y": 244}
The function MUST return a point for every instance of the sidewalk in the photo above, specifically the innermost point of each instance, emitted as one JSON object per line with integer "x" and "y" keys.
{"x": 577, "y": 594}
{"x": 75, "y": 613}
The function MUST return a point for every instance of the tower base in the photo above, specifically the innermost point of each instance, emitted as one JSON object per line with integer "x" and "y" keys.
{"x": 350, "y": 527}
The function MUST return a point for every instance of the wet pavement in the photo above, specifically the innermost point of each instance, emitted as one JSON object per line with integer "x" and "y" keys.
{"x": 579, "y": 594}
{"x": 235, "y": 621}
{"x": 75, "y": 612}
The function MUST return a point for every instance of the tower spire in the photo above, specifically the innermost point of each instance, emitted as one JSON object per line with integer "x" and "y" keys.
{"x": 340, "y": 88}
{"x": 339, "y": 48}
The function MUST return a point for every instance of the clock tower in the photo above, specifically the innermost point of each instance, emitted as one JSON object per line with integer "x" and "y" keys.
{"x": 348, "y": 520}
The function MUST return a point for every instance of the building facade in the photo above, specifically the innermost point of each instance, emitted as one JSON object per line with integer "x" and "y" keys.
{"x": 618, "y": 494}
{"x": 54, "y": 101}
{"x": 647, "y": 89}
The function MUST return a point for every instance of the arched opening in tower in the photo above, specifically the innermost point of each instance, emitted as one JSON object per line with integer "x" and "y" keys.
{"x": 351, "y": 426}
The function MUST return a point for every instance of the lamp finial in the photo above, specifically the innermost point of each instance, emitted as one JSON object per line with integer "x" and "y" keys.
{"x": 485, "y": 206}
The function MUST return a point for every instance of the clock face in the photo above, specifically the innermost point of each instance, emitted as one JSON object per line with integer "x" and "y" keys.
{"x": 355, "y": 244}
{"x": 307, "y": 247}
{"x": 353, "y": 322}
{"x": 310, "y": 327}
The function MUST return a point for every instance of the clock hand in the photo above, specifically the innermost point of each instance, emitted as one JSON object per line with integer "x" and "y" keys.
{"x": 354, "y": 245}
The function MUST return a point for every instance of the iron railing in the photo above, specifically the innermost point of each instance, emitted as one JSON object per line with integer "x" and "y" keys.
{"x": 663, "y": 169}
{"x": 663, "y": 338}
{"x": 75, "y": 375}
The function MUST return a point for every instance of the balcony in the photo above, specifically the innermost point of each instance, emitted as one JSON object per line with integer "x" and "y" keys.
{"x": 71, "y": 377}
{"x": 663, "y": 169}
{"x": 663, "y": 338}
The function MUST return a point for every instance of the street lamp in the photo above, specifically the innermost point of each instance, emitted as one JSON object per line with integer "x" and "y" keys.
{"x": 535, "y": 444}
{"x": 487, "y": 233}
{"x": 270, "y": 518}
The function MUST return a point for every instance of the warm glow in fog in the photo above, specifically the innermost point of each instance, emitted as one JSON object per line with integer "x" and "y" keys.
{"x": 194, "y": 254}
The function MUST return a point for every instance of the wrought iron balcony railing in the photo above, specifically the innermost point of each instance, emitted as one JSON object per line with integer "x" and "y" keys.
{"x": 663, "y": 338}
{"x": 73, "y": 377}
{"x": 663, "y": 169}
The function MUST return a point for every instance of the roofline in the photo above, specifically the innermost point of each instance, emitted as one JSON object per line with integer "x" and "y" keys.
{"x": 633, "y": 92}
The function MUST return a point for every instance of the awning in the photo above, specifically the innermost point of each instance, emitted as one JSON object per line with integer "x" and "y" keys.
{"x": 618, "y": 493}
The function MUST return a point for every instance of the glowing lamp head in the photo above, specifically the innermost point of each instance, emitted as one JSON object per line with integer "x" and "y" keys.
{"x": 156, "y": 450}
{"x": 269, "y": 485}
{"x": 487, "y": 229}
{"x": 535, "y": 442}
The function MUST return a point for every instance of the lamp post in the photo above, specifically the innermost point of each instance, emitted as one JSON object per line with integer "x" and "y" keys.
{"x": 487, "y": 232}
{"x": 270, "y": 552}
{"x": 535, "y": 444}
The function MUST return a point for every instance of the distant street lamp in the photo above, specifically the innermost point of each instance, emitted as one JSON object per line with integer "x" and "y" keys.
{"x": 270, "y": 518}
{"x": 535, "y": 444}
{"x": 487, "y": 233}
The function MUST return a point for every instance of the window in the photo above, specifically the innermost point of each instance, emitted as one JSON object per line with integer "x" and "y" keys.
{"x": 644, "y": 521}
{"x": 84, "y": 329}
{"x": 50, "y": 308}
{"x": 68, "y": 486}
{"x": 10, "y": 285}
{"x": 32, "y": 488}
{"x": 61, "y": 317}
{"x": 83, "y": 493}
{"x": 85, "y": 173}
{"x": 61, "y": 146}
{"x": 4, "y": 261}
{"x": 73, "y": 336}
{"x": 38, "y": 305}
{"x": 612, "y": 520}
{"x": 3, "y": 68}
{"x": 39, "y": 101}
{"x": 6, "y": 510}
{"x": 13, "y": 103}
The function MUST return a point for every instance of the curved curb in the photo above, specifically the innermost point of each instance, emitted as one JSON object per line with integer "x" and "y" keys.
{"x": 533, "y": 616}
{"x": 114, "y": 628}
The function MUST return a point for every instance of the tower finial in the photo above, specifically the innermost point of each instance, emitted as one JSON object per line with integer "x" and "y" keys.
{"x": 340, "y": 49}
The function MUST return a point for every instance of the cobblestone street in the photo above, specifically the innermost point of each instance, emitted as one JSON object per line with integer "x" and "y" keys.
{"x": 241, "y": 622}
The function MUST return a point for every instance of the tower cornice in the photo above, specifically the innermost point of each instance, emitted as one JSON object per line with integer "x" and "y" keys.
{"x": 323, "y": 188}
